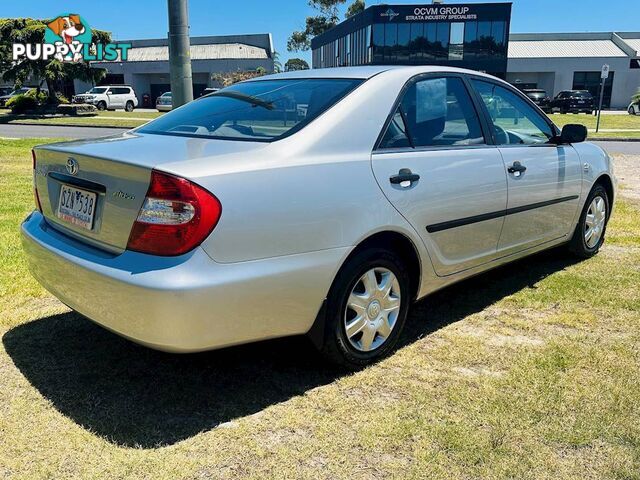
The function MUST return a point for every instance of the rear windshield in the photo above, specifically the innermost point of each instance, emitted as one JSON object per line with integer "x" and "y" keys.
{"x": 264, "y": 110}
{"x": 580, "y": 94}
{"x": 535, "y": 93}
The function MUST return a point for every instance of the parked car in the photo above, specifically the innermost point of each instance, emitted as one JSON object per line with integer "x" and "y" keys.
{"x": 229, "y": 221}
{"x": 573, "y": 101}
{"x": 539, "y": 97}
{"x": 5, "y": 91}
{"x": 109, "y": 97}
{"x": 634, "y": 108}
{"x": 13, "y": 93}
{"x": 163, "y": 102}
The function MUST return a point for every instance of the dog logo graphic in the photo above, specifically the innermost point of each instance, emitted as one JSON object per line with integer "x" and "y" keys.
{"x": 70, "y": 29}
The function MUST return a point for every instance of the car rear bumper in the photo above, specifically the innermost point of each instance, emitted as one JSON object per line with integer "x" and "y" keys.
{"x": 163, "y": 108}
{"x": 181, "y": 304}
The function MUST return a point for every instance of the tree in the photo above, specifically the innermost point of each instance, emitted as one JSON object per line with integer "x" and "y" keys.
{"x": 29, "y": 30}
{"x": 277, "y": 64}
{"x": 229, "y": 78}
{"x": 355, "y": 8}
{"x": 327, "y": 18}
{"x": 294, "y": 64}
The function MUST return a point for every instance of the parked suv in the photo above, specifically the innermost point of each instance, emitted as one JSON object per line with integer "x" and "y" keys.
{"x": 573, "y": 101}
{"x": 539, "y": 97}
{"x": 109, "y": 97}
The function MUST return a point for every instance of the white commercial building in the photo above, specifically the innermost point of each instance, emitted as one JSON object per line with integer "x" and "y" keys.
{"x": 573, "y": 61}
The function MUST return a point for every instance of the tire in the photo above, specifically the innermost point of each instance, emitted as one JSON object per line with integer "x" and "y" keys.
{"x": 579, "y": 245}
{"x": 631, "y": 110}
{"x": 351, "y": 351}
{"x": 128, "y": 107}
{"x": 101, "y": 106}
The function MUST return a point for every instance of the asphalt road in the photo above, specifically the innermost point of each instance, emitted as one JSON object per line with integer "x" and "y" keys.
{"x": 43, "y": 131}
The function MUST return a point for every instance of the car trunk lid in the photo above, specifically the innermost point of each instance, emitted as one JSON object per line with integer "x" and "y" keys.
{"x": 115, "y": 171}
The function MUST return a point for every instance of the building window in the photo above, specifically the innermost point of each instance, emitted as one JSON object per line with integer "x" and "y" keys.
{"x": 591, "y": 81}
{"x": 456, "y": 41}
{"x": 390, "y": 42}
{"x": 378, "y": 43}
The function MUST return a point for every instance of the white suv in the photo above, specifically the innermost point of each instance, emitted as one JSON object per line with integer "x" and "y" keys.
{"x": 109, "y": 97}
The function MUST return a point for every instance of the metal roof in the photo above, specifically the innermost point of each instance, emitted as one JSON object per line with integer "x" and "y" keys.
{"x": 633, "y": 43}
{"x": 199, "y": 52}
{"x": 563, "y": 48}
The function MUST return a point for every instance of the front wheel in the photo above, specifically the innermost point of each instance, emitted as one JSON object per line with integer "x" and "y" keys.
{"x": 101, "y": 106}
{"x": 366, "y": 308}
{"x": 589, "y": 234}
{"x": 631, "y": 110}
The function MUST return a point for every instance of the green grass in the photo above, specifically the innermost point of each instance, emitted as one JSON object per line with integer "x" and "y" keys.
{"x": 625, "y": 123}
{"x": 530, "y": 371}
{"x": 118, "y": 118}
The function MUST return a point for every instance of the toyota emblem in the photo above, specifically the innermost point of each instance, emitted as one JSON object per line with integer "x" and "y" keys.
{"x": 72, "y": 166}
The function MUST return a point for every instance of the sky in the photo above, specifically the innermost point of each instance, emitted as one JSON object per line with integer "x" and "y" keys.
{"x": 136, "y": 19}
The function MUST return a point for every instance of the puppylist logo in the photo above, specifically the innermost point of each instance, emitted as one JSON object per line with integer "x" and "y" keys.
{"x": 67, "y": 38}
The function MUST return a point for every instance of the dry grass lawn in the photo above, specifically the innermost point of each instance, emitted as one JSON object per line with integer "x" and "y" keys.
{"x": 529, "y": 371}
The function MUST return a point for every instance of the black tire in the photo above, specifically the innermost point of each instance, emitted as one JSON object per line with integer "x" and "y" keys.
{"x": 128, "y": 107}
{"x": 336, "y": 347}
{"x": 631, "y": 110}
{"x": 101, "y": 106}
{"x": 578, "y": 245}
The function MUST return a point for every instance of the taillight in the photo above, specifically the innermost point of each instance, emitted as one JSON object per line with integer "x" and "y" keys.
{"x": 176, "y": 216}
{"x": 35, "y": 187}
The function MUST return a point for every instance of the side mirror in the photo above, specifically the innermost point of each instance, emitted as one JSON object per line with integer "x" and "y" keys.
{"x": 571, "y": 133}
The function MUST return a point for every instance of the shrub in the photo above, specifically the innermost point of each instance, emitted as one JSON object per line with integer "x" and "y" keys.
{"x": 76, "y": 109}
{"x": 22, "y": 103}
{"x": 40, "y": 98}
{"x": 61, "y": 99}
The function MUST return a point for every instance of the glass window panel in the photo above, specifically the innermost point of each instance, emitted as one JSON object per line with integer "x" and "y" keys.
{"x": 442, "y": 40}
{"x": 439, "y": 112}
{"x": 390, "y": 42}
{"x": 430, "y": 31}
{"x": 515, "y": 122}
{"x": 378, "y": 43}
{"x": 404, "y": 34}
{"x": 457, "y": 33}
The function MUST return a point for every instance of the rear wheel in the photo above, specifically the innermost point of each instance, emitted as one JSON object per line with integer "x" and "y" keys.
{"x": 589, "y": 234}
{"x": 128, "y": 106}
{"x": 366, "y": 308}
{"x": 631, "y": 110}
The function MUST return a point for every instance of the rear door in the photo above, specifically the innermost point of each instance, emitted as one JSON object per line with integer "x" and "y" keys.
{"x": 435, "y": 167}
{"x": 544, "y": 180}
{"x": 115, "y": 97}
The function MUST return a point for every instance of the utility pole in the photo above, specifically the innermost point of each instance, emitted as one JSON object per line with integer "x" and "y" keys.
{"x": 179, "y": 55}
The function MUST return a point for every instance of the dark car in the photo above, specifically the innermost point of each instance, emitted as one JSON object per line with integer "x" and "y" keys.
{"x": 573, "y": 101}
{"x": 13, "y": 93}
{"x": 539, "y": 97}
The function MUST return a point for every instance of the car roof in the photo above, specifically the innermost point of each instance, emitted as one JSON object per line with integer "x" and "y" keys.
{"x": 363, "y": 72}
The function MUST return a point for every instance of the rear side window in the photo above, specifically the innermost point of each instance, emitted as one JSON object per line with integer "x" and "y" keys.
{"x": 514, "y": 120}
{"x": 434, "y": 112}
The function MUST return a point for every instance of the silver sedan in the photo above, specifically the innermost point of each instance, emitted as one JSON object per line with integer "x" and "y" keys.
{"x": 318, "y": 202}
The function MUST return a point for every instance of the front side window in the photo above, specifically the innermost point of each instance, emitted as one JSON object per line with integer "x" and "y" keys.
{"x": 434, "y": 112}
{"x": 263, "y": 110}
{"x": 515, "y": 122}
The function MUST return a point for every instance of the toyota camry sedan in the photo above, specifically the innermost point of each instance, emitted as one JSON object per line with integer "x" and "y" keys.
{"x": 318, "y": 202}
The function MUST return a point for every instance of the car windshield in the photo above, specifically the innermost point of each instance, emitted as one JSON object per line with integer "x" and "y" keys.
{"x": 535, "y": 93}
{"x": 263, "y": 110}
{"x": 97, "y": 90}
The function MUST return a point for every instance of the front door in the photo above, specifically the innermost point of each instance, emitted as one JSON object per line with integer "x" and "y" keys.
{"x": 435, "y": 168}
{"x": 544, "y": 180}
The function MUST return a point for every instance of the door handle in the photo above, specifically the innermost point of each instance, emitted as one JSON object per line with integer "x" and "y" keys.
{"x": 517, "y": 169}
{"x": 404, "y": 175}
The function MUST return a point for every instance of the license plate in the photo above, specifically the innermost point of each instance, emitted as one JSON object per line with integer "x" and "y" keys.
{"x": 77, "y": 206}
{"x": 580, "y": 101}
